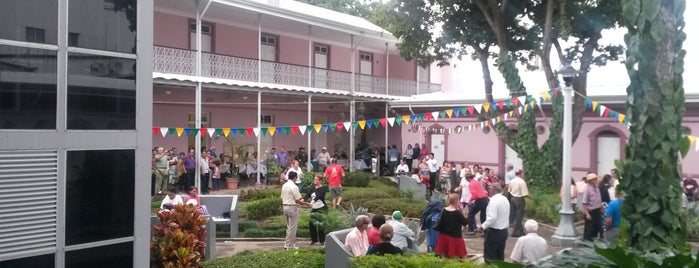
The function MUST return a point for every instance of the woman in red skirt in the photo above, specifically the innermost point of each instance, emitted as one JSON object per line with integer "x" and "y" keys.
{"x": 450, "y": 242}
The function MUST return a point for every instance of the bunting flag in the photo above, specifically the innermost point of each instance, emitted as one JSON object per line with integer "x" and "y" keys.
{"x": 163, "y": 131}
{"x": 248, "y": 131}
{"x": 347, "y": 125}
{"x": 355, "y": 124}
{"x": 317, "y": 128}
{"x": 295, "y": 129}
{"x": 383, "y": 122}
{"x": 471, "y": 109}
{"x": 264, "y": 131}
{"x": 478, "y": 107}
{"x": 271, "y": 130}
{"x": 362, "y": 123}
{"x": 391, "y": 121}
{"x": 448, "y": 112}
{"x": 324, "y": 128}
{"x": 179, "y": 131}
{"x": 435, "y": 115}
{"x": 486, "y": 107}
{"x": 333, "y": 127}
{"x": 426, "y": 116}
{"x": 407, "y": 118}
{"x": 457, "y": 112}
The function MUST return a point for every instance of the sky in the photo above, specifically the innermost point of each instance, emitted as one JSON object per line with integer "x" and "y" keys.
{"x": 607, "y": 80}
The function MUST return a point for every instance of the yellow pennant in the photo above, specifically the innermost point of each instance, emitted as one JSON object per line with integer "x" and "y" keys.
{"x": 621, "y": 118}
{"x": 271, "y": 130}
{"x": 406, "y": 119}
{"x": 486, "y": 106}
{"x": 691, "y": 139}
{"x": 317, "y": 127}
{"x": 179, "y": 131}
{"x": 511, "y": 113}
{"x": 226, "y": 131}
{"x": 594, "y": 106}
{"x": 546, "y": 96}
{"x": 449, "y": 112}
{"x": 362, "y": 123}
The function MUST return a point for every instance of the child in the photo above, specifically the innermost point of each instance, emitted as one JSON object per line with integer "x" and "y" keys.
{"x": 217, "y": 175}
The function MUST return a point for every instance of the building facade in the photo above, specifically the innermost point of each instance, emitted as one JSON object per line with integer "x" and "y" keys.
{"x": 75, "y": 118}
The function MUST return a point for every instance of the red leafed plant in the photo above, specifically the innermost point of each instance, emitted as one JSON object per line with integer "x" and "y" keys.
{"x": 179, "y": 239}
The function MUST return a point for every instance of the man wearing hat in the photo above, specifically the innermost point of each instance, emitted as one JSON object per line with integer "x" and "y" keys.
{"x": 401, "y": 232}
{"x": 323, "y": 159}
{"x": 592, "y": 208}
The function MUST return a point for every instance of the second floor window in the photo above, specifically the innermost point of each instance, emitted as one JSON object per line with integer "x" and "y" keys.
{"x": 365, "y": 56}
{"x": 35, "y": 35}
{"x": 73, "y": 39}
{"x": 207, "y": 31}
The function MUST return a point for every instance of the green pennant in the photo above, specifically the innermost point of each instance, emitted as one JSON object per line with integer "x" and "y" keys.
{"x": 463, "y": 111}
{"x": 612, "y": 114}
{"x": 195, "y": 131}
{"x": 241, "y": 131}
{"x": 219, "y": 132}
{"x": 355, "y": 124}
{"x": 264, "y": 131}
{"x": 333, "y": 127}
{"x": 171, "y": 131}
{"x": 508, "y": 102}
{"x": 442, "y": 114}
{"x": 286, "y": 130}
{"x": 421, "y": 117}
{"x": 399, "y": 120}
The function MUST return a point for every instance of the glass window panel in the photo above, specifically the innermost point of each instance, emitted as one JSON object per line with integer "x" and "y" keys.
{"x": 105, "y": 25}
{"x": 111, "y": 256}
{"x": 101, "y": 92}
{"x": 99, "y": 195}
{"x": 27, "y": 88}
{"x": 42, "y": 261}
{"x": 20, "y": 19}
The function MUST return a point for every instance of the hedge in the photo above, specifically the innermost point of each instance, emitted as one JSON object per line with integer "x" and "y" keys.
{"x": 411, "y": 261}
{"x": 263, "y": 208}
{"x": 545, "y": 206}
{"x": 302, "y": 258}
{"x": 257, "y": 194}
{"x": 247, "y": 225}
{"x": 279, "y": 221}
{"x": 356, "y": 179}
{"x": 386, "y": 206}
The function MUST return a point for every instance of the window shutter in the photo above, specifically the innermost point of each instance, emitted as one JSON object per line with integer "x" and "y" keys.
{"x": 28, "y": 201}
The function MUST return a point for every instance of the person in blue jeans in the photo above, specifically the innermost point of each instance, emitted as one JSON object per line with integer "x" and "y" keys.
{"x": 429, "y": 217}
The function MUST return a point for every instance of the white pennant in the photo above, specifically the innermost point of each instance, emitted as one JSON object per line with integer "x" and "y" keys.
{"x": 435, "y": 115}
{"x": 522, "y": 99}
{"x": 507, "y": 116}
{"x": 211, "y": 131}
{"x": 257, "y": 131}
{"x": 391, "y": 120}
{"x": 348, "y": 125}
{"x": 696, "y": 148}
{"x": 303, "y": 130}
{"x": 493, "y": 121}
{"x": 482, "y": 124}
{"x": 521, "y": 109}
{"x": 163, "y": 131}
{"x": 602, "y": 108}
{"x": 478, "y": 107}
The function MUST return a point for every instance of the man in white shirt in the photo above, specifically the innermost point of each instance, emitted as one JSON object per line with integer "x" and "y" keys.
{"x": 432, "y": 163}
{"x": 323, "y": 159}
{"x": 295, "y": 168}
{"x": 402, "y": 169}
{"x": 495, "y": 225}
{"x": 531, "y": 247}
{"x": 518, "y": 190}
{"x": 291, "y": 199}
{"x": 401, "y": 232}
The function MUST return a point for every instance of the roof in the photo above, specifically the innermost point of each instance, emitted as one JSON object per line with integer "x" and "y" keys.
{"x": 167, "y": 78}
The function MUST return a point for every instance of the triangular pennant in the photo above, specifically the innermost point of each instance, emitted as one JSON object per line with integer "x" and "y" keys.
{"x": 347, "y": 125}
{"x": 515, "y": 101}
{"x": 353, "y": 125}
{"x": 436, "y": 115}
{"x": 272, "y": 130}
{"x": 471, "y": 109}
{"x": 486, "y": 107}
{"x": 285, "y": 129}
{"x": 171, "y": 131}
{"x": 339, "y": 126}
{"x": 280, "y": 130}
{"x": 219, "y": 132}
{"x": 203, "y": 131}
{"x": 187, "y": 131}
{"x": 588, "y": 102}
{"x": 362, "y": 123}
{"x": 163, "y": 131}
{"x": 324, "y": 128}
{"x": 606, "y": 113}
{"x": 382, "y": 121}
{"x": 427, "y": 116}
{"x": 256, "y": 131}
{"x": 621, "y": 118}
{"x": 302, "y": 129}
{"x": 179, "y": 131}
{"x": 508, "y": 103}
{"x": 463, "y": 111}
{"x": 602, "y": 110}
{"x": 406, "y": 118}
{"x": 594, "y": 106}
{"x": 521, "y": 100}
{"x": 375, "y": 122}
{"x": 243, "y": 131}
{"x": 477, "y": 108}
{"x": 294, "y": 130}
{"x": 391, "y": 121}
{"x": 248, "y": 131}
{"x": 317, "y": 127}
{"x": 226, "y": 131}
{"x": 412, "y": 118}
{"x": 449, "y": 112}
{"x": 195, "y": 132}
{"x": 333, "y": 127}
{"x": 264, "y": 131}
{"x": 420, "y": 117}
{"x": 369, "y": 123}
{"x": 156, "y": 131}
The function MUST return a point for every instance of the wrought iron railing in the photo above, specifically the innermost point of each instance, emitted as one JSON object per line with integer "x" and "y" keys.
{"x": 182, "y": 61}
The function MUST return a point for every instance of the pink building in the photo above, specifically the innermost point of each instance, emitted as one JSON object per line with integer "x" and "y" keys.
{"x": 277, "y": 63}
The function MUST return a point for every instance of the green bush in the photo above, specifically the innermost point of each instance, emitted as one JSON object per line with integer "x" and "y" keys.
{"x": 386, "y": 206}
{"x": 387, "y": 181}
{"x": 247, "y": 225}
{"x": 263, "y": 208}
{"x": 416, "y": 261}
{"x": 357, "y": 179}
{"x": 156, "y": 203}
{"x": 333, "y": 220}
{"x": 302, "y": 258}
{"x": 257, "y": 194}
{"x": 279, "y": 221}
{"x": 545, "y": 206}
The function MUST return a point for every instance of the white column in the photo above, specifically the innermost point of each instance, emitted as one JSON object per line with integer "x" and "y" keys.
{"x": 259, "y": 137}
{"x": 308, "y": 135}
{"x": 197, "y": 108}
{"x": 385, "y": 138}
{"x": 417, "y": 77}
{"x": 310, "y": 61}
{"x": 259, "y": 48}
{"x": 352, "y": 102}
{"x": 386, "y": 68}
{"x": 352, "y": 64}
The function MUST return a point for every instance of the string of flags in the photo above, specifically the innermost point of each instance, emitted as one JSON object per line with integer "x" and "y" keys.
{"x": 514, "y": 106}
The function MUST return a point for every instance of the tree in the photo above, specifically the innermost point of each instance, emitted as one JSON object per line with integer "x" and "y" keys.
{"x": 521, "y": 31}
{"x": 655, "y": 106}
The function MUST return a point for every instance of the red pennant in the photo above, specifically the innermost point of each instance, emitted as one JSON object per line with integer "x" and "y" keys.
{"x": 606, "y": 112}
{"x": 500, "y": 103}
{"x": 515, "y": 102}
{"x": 202, "y": 131}
{"x": 383, "y": 122}
{"x": 339, "y": 126}
{"x": 156, "y": 131}
{"x": 428, "y": 116}
{"x": 470, "y": 110}
{"x": 248, "y": 131}
{"x": 555, "y": 92}
{"x": 294, "y": 129}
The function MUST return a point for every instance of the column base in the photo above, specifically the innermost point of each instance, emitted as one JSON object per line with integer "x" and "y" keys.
{"x": 565, "y": 235}
{"x": 258, "y": 185}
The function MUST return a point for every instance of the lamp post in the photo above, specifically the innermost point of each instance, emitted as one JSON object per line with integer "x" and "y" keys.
{"x": 565, "y": 234}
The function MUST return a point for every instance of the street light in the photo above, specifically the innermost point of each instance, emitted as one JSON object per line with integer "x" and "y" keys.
{"x": 565, "y": 234}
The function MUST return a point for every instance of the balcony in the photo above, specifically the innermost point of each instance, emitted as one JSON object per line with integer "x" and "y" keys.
{"x": 182, "y": 61}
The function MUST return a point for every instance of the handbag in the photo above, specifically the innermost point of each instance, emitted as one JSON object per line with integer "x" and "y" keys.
{"x": 438, "y": 224}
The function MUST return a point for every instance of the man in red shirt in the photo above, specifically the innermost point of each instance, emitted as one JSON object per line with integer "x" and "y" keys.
{"x": 479, "y": 200}
{"x": 335, "y": 175}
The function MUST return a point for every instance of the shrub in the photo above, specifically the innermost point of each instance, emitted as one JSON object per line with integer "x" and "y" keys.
{"x": 416, "y": 261}
{"x": 179, "y": 238}
{"x": 257, "y": 194}
{"x": 386, "y": 206}
{"x": 247, "y": 225}
{"x": 545, "y": 206}
{"x": 387, "y": 181}
{"x": 263, "y": 208}
{"x": 302, "y": 258}
{"x": 279, "y": 221}
{"x": 357, "y": 179}
{"x": 333, "y": 220}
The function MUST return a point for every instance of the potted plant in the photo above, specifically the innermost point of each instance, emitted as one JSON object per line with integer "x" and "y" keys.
{"x": 232, "y": 181}
{"x": 273, "y": 174}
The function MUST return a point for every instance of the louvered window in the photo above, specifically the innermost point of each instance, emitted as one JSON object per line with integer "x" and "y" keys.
{"x": 28, "y": 194}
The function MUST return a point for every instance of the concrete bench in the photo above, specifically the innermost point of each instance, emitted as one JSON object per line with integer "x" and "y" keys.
{"x": 336, "y": 254}
{"x": 223, "y": 210}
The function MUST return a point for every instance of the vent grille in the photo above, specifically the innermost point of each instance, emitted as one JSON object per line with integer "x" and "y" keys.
{"x": 28, "y": 194}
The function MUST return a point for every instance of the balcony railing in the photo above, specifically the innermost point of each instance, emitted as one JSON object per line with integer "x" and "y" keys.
{"x": 182, "y": 61}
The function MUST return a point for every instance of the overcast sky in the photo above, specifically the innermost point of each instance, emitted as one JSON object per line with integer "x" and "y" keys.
{"x": 608, "y": 80}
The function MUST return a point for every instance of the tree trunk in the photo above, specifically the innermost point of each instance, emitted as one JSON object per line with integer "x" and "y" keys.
{"x": 651, "y": 175}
